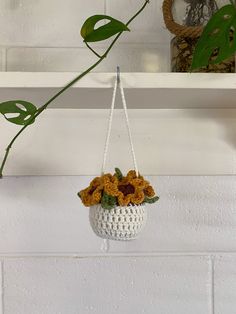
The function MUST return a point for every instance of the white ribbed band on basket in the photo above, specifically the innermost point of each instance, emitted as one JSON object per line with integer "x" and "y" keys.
{"x": 122, "y": 222}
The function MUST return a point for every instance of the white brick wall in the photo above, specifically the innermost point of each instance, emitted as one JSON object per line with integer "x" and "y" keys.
{"x": 107, "y": 285}
{"x": 51, "y": 262}
{"x": 225, "y": 284}
{"x": 44, "y": 215}
{"x": 45, "y": 36}
{"x": 175, "y": 141}
{"x": 130, "y": 57}
{"x": 182, "y": 263}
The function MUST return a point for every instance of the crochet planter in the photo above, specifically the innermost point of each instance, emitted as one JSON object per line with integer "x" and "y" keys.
{"x": 120, "y": 223}
{"x": 117, "y": 202}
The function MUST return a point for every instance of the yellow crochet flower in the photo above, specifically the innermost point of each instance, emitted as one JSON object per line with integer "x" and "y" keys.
{"x": 124, "y": 200}
{"x": 130, "y": 189}
{"x": 110, "y": 184}
{"x": 139, "y": 183}
{"x": 136, "y": 180}
{"x": 85, "y": 197}
{"x": 96, "y": 182}
{"x": 128, "y": 193}
{"x": 149, "y": 191}
{"x": 92, "y": 195}
{"x": 131, "y": 175}
{"x": 134, "y": 189}
{"x": 138, "y": 197}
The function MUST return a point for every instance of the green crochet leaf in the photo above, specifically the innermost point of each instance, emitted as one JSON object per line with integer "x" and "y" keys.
{"x": 119, "y": 174}
{"x": 108, "y": 201}
{"x": 151, "y": 200}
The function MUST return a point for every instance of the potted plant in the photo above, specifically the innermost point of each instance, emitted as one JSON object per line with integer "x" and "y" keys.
{"x": 198, "y": 13}
{"x": 218, "y": 41}
{"x": 117, "y": 204}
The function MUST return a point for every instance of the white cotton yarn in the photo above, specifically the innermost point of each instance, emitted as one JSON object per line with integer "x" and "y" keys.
{"x": 121, "y": 223}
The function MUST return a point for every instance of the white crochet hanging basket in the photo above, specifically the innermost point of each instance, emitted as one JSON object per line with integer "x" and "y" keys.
{"x": 120, "y": 223}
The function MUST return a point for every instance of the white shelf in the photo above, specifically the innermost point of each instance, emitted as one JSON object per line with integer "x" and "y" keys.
{"x": 143, "y": 90}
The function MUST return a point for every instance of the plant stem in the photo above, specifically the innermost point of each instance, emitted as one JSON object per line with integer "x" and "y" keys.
{"x": 89, "y": 47}
{"x": 42, "y": 108}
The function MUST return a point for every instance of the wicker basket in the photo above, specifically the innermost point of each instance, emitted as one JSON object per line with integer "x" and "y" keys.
{"x": 120, "y": 223}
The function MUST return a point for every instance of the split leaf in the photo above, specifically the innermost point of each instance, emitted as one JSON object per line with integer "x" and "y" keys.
{"x": 218, "y": 40}
{"x": 18, "y": 111}
{"x": 92, "y": 34}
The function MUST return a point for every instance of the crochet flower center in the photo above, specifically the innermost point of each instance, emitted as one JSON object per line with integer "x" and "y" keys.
{"x": 90, "y": 192}
{"x": 126, "y": 189}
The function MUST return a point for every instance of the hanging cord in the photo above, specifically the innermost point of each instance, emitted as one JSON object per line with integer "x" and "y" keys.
{"x": 109, "y": 128}
{"x": 128, "y": 127}
{"x": 118, "y": 82}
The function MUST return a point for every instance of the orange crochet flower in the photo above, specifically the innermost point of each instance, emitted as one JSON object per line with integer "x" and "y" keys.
{"x": 92, "y": 195}
{"x": 139, "y": 183}
{"x": 85, "y": 197}
{"x": 129, "y": 193}
{"x": 110, "y": 184}
{"x": 130, "y": 189}
{"x": 131, "y": 175}
{"x": 136, "y": 180}
{"x": 138, "y": 197}
{"x": 149, "y": 191}
{"x": 96, "y": 182}
{"x": 124, "y": 200}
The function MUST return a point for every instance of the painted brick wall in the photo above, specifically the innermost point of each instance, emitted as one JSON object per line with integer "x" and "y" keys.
{"x": 183, "y": 262}
{"x": 51, "y": 262}
{"x": 45, "y": 36}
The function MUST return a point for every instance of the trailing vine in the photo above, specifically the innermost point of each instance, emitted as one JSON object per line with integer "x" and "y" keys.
{"x": 26, "y": 113}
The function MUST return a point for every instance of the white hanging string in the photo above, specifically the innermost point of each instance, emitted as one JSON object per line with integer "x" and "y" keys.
{"x": 109, "y": 128}
{"x": 128, "y": 128}
{"x": 118, "y": 82}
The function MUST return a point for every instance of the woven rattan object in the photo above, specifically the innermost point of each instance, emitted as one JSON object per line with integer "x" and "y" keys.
{"x": 175, "y": 28}
{"x": 198, "y": 13}
{"x": 120, "y": 223}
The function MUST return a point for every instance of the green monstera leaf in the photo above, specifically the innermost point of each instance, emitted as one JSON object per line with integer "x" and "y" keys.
{"x": 92, "y": 34}
{"x": 18, "y": 111}
{"x": 218, "y": 40}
